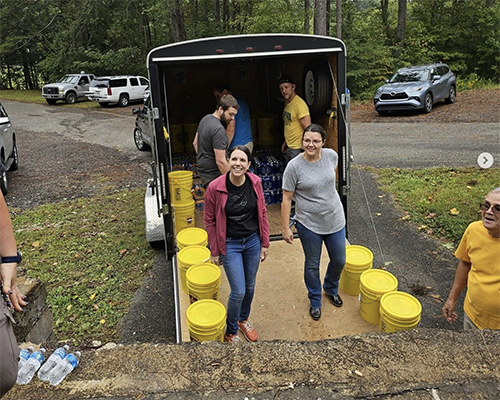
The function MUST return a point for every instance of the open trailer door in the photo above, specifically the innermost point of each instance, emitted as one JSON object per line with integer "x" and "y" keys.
{"x": 182, "y": 76}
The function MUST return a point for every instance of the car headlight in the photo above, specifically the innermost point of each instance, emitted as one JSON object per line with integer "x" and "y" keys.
{"x": 61, "y": 90}
{"x": 416, "y": 90}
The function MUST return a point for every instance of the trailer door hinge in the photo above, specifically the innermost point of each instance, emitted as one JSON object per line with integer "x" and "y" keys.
{"x": 155, "y": 112}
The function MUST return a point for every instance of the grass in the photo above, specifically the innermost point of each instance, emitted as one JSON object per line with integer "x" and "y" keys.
{"x": 92, "y": 255}
{"x": 440, "y": 201}
{"x": 35, "y": 96}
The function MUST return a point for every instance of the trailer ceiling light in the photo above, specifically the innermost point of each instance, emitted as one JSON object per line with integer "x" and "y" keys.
{"x": 219, "y": 51}
{"x": 278, "y": 47}
{"x": 249, "y": 49}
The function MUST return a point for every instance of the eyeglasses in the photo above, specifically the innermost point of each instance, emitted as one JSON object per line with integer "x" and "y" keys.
{"x": 495, "y": 208}
{"x": 315, "y": 142}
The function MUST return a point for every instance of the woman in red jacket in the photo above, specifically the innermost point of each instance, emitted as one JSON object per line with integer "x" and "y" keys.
{"x": 238, "y": 235}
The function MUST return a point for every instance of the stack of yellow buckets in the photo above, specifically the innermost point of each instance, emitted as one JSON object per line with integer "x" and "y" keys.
{"x": 200, "y": 279}
{"x": 380, "y": 301}
{"x": 181, "y": 183}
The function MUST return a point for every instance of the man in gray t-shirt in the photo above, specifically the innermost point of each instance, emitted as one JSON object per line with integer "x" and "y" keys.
{"x": 210, "y": 141}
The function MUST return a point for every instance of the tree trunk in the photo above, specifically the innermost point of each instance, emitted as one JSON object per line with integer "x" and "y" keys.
{"x": 307, "y": 15}
{"x": 217, "y": 12}
{"x": 384, "y": 10}
{"x": 320, "y": 18}
{"x": 339, "y": 19}
{"x": 400, "y": 29}
{"x": 177, "y": 20}
{"x": 328, "y": 9}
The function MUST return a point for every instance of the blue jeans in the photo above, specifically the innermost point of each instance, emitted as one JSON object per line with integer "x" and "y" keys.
{"x": 312, "y": 243}
{"x": 241, "y": 263}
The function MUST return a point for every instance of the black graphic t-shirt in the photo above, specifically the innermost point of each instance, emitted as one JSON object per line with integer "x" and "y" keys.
{"x": 241, "y": 210}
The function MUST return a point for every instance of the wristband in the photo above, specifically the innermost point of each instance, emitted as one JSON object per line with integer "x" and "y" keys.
{"x": 12, "y": 259}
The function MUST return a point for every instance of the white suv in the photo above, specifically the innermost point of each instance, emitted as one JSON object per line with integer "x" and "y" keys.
{"x": 117, "y": 89}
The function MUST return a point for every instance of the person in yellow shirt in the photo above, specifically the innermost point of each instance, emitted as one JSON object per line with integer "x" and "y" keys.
{"x": 295, "y": 117}
{"x": 479, "y": 270}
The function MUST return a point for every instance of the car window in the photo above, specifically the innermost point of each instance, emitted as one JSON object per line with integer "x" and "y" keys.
{"x": 3, "y": 114}
{"x": 409, "y": 76}
{"x": 114, "y": 83}
{"x": 134, "y": 82}
{"x": 84, "y": 80}
{"x": 68, "y": 79}
{"x": 144, "y": 81}
{"x": 443, "y": 70}
{"x": 100, "y": 83}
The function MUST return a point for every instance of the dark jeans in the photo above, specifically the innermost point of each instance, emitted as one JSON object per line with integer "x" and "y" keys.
{"x": 312, "y": 244}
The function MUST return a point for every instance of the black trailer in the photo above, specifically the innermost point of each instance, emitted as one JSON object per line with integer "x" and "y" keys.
{"x": 182, "y": 76}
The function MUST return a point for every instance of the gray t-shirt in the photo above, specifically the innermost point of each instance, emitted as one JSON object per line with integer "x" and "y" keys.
{"x": 211, "y": 135}
{"x": 317, "y": 203}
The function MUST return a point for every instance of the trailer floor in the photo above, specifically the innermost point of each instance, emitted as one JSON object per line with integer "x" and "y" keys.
{"x": 280, "y": 309}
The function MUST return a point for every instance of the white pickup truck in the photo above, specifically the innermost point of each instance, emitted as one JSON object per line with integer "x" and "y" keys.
{"x": 70, "y": 88}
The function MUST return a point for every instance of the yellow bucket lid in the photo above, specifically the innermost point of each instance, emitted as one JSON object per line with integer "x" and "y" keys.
{"x": 191, "y": 255}
{"x": 192, "y": 236}
{"x": 182, "y": 174}
{"x": 206, "y": 313}
{"x": 203, "y": 274}
{"x": 401, "y": 306}
{"x": 358, "y": 257}
{"x": 378, "y": 281}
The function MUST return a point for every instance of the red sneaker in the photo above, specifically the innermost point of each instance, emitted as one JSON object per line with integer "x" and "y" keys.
{"x": 232, "y": 338}
{"x": 248, "y": 331}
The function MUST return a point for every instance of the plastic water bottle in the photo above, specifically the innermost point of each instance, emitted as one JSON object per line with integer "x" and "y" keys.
{"x": 56, "y": 357}
{"x": 24, "y": 355}
{"x": 28, "y": 370}
{"x": 63, "y": 368}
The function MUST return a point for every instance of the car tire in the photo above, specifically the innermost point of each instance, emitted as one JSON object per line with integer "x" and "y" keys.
{"x": 452, "y": 95}
{"x": 428, "y": 103}
{"x": 51, "y": 101}
{"x": 70, "y": 98}
{"x": 123, "y": 100}
{"x": 15, "y": 156}
{"x": 138, "y": 140}
{"x": 317, "y": 86}
{"x": 3, "y": 180}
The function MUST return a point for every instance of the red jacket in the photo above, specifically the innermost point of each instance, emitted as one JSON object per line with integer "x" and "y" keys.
{"x": 215, "y": 214}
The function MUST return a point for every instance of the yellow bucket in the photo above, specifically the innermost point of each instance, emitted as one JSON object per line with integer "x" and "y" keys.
{"x": 267, "y": 131}
{"x": 190, "y": 133}
{"x": 373, "y": 284}
{"x": 181, "y": 183}
{"x": 192, "y": 237}
{"x": 206, "y": 320}
{"x": 358, "y": 260}
{"x": 176, "y": 139}
{"x": 184, "y": 216}
{"x": 203, "y": 282}
{"x": 399, "y": 311}
{"x": 188, "y": 257}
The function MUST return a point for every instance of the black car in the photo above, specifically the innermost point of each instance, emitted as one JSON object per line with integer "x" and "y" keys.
{"x": 143, "y": 125}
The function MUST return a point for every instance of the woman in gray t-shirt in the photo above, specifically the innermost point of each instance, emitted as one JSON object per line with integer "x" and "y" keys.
{"x": 309, "y": 179}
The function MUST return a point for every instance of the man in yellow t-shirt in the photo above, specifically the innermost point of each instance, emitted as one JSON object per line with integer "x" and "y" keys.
{"x": 295, "y": 117}
{"x": 479, "y": 270}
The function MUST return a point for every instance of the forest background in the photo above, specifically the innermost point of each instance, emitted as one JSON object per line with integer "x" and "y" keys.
{"x": 41, "y": 40}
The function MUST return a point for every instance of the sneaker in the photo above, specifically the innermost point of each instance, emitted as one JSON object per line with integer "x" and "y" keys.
{"x": 248, "y": 331}
{"x": 232, "y": 338}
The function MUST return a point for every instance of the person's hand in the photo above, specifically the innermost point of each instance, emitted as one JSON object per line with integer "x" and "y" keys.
{"x": 287, "y": 235}
{"x": 10, "y": 289}
{"x": 283, "y": 147}
{"x": 448, "y": 312}
{"x": 263, "y": 253}
{"x": 216, "y": 260}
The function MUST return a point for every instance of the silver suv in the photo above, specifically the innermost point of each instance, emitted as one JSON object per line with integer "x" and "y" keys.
{"x": 69, "y": 88}
{"x": 117, "y": 89}
{"x": 9, "y": 160}
{"x": 416, "y": 88}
